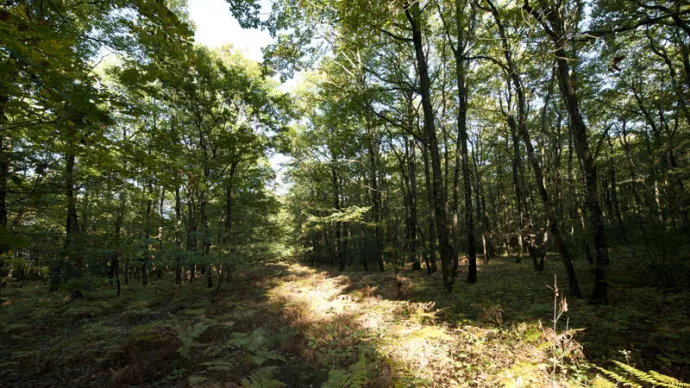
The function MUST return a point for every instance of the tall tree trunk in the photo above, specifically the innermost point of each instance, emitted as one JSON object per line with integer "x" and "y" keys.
{"x": 536, "y": 166}
{"x": 412, "y": 194}
{"x": 339, "y": 254}
{"x": 553, "y": 24}
{"x": 119, "y": 220}
{"x": 178, "y": 236}
{"x": 71, "y": 224}
{"x": 373, "y": 145}
{"x": 432, "y": 214}
{"x": 5, "y": 152}
{"x": 227, "y": 224}
{"x": 5, "y": 149}
{"x": 517, "y": 183}
{"x": 412, "y": 11}
{"x": 118, "y": 236}
{"x": 460, "y": 72}
{"x": 147, "y": 235}
{"x": 191, "y": 232}
{"x": 205, "y": 238}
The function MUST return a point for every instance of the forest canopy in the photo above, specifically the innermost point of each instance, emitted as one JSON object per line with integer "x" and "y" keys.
{"x": 431, "y": 147}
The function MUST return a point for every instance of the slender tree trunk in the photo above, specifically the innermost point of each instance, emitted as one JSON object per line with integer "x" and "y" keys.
{"x": 412, "y": 11}
{"x": 227, "y": 225}
{"x": 460, "y": 73}
{"x": 147, "y": 235}
{"x": 178, "y": 237}
{"x": 5, "y": 149}
{"x": 432, "y": 213}
{"x": 517, "y": 183}
{"x": 373, "y": 145}
{"x": 536, "y": 166}
{"x": 5, "y": 161}
{"x": 72, "y": 222}
{"x": 412, "y": 227}
{"x": 191, "y": 233}
{"x": 553, "y": 19}
{"x": 600, "y": 291}
{"x": 339, "y": 254}
{"x": 118, "y": 228}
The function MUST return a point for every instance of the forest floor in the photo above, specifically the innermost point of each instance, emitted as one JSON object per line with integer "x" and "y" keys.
{"x": 308, "y": 327}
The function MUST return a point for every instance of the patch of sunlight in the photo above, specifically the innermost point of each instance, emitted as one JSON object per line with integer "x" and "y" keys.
{"x": 406, "y": 335}
{"x": 311, "y": 296}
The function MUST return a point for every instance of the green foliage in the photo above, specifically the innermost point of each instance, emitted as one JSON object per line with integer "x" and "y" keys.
{"x": 352, "y": 214}
{"x": 85, "y": 283}
{"x": 633, "y": 377}
{"x": 189, "y": 335}
{"x": 338, "y": 378}
{"x": 218, "y": 365}
{"x": 78, "y": 311}
{"x": 356, "y": 376}
{"x": 262, "y": 378}
{"x": 254, "y": 343}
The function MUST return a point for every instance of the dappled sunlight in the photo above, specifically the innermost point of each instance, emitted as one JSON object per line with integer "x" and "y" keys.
{"x": 407, "y": 339}
{"x": 312, "y": 295}
{"x": 308, "y": 326}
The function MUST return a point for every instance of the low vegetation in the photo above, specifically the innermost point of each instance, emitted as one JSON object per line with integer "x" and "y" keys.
{"x": 287, "y": 324}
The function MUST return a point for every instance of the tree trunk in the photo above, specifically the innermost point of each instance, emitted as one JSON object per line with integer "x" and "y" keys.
{"x": 147, "y": 235}
{"x": 338, "y": 253}
{"x": 191, "y": 231}
{"x": 178, "y": 237}
{"x": 432, "y": 215}
{"x": 412, "y": 194}
{"x": 5, "y": 161}
{"x": 578, "y": 128}
{"x": 118, "y": 236}
{"x": 412, "y": 11}
{"x": 373, "y": 145}
{"x": 536, "y": 166}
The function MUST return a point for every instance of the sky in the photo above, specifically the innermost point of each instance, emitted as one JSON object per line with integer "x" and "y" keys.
{"x": 215, "y": 27}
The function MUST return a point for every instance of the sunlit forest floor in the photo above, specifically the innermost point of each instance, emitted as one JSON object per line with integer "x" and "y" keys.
{"x": 302, "y": 326}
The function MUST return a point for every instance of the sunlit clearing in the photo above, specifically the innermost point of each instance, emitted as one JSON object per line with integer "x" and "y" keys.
{"x": 407, "y": 337}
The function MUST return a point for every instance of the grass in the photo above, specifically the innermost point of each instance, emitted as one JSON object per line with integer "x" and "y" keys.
{"x": 287, "y": 324}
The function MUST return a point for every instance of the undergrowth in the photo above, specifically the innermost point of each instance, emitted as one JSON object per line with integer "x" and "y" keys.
{"x": 291, "y": 325}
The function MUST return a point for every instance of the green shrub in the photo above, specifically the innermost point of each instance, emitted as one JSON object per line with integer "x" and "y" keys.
{"x": 85, "y": 283}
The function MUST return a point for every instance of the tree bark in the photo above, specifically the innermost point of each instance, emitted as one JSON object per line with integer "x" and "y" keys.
{"x": 178, "y": 237}
{"x": 431, "y": 261}
{"x": 412, "y": 11}
{"x": 536, "y": 166}
{"x": 553, "y": 25}
{"x": 412, "y": 194}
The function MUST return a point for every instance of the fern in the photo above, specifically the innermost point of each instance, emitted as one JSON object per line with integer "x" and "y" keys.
{"x": 356, "y": 377}
{"x": 656, "y": 379}
{"x": 663, "y": 379}
{"x": 338, "y": 378}
{"x": 218, "y": 365}
{"x": 360, "y": 371}
{"x": 618, "y": 378}
{"x": 254, "y": 343}
{"x": 189, "y": 335}
{"x": 262, "y": 378}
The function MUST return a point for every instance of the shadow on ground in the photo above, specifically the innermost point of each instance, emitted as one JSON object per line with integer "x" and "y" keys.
{"x": 286, "y": 323}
